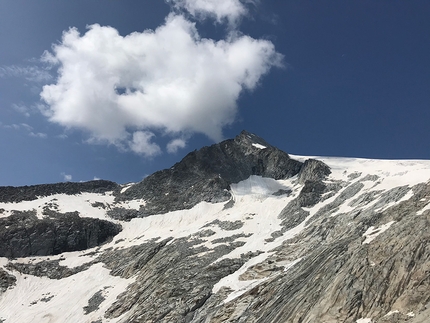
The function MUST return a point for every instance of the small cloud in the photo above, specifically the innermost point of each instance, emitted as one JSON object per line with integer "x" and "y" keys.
{"x": 11, "y": 126}
{"x": 142, "y": 145}
{"x": 30, "y": 73}
{"x": 21, "y": 108}
{"x": 62, "y": 136}
{"x": 66, "y": 177}
{"x": 38, "y": 134}
{"x": 175, "y": 144}
{"x": 21, "y": 126}
{"x": 220, "y": 10}
{"x": 96, "y": 178}
{"x": 26, "y": 127}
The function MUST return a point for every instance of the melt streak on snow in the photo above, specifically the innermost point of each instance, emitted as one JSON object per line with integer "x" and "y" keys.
{"x": 254, "y": 205}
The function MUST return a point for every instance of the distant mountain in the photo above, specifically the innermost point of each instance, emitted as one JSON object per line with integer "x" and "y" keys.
{"x": 239, "y": 231}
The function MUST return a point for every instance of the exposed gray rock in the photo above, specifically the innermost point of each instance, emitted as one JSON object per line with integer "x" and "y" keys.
{"x": 311, "y": 193}
{"x": 229, "y": 204}
{"x": 364, "y": 198}
{"x": 99, "y": 205}
{"x": 393, "y": 195}
{"x": 6, "y": 280}
{"x": 22, "y": 234}
{"x": 94, "y": 302}
{"x": 354, "y": 175}
{"x": 10, "y": 194}
{"x": 313, "y": 170}
{"x": 206, "y": 174}
{"x": 226, "y": 225}
{"x": 371, "y": 178}
{"x": 45, "y": 299}
{"x": 282, "y": 192}
{"x": 47, "y": 268}
{"x": 275, "y": 235}
{"x": 292, "y": 215}
{"x": 205, "y": 233}
{"x": 349, "y": 192}
{"x": 231, "y": 238}
{"x": 127, "y": 262}
{"x": 123, "y": 214}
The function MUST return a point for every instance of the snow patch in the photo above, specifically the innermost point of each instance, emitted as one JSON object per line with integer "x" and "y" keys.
{"x": 365, "y": 320}
{"x": 372, "y": 232}
{"x": 259, "y": 146}
{"x": 391, "y": 313}
{"x": 425, "y": 208}
{"x": 258, "y": 185}
{"x": 126, "y": 187}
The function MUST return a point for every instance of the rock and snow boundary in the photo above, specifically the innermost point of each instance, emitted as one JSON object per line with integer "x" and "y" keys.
{"x": 219, "y": 262}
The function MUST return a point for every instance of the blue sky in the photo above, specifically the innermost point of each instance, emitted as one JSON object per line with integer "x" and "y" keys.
{"x": 119, "y": 89}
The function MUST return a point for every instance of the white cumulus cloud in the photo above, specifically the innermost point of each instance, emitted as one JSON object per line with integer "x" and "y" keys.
{"x": 232, "y": 10}
{"x": 175, "y": 144}
{"x": 124, "y": 89}
{"x": 141, "y": 144}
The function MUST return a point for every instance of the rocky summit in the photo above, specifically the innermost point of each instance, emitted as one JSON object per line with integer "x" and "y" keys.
{"x": 236, "y": 232}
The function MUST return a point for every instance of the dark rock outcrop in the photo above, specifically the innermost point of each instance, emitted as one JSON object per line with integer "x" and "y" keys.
{"x": 6, "y": 280}
{"x": 206, "y": 174}
{"x": 118, "y": 213}
{"x": 23, "y": 234}
{"x": 10, "y": 194}
{"x": 313, "y": 170}
{"x": 47, "y": 268}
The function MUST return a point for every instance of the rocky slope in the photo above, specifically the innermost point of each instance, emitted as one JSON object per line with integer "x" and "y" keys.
{"x": 235, "y": 232}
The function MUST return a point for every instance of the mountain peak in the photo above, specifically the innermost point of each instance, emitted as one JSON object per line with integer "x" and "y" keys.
{"x": 246, "y": 138}
{"x": 206, "y": 174}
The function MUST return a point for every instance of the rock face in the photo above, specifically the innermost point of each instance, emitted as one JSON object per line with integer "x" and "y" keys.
{"x": 29, "y": 193}
{"x": 22, "y": 234}
{"x": 326, "y": 241}
{"x": 206, "y": 174}
{"x": 313, "y": 170}
{"x": 6, "y": 280}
